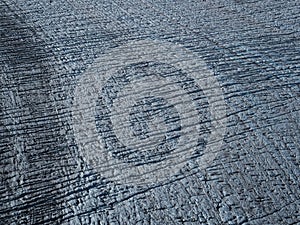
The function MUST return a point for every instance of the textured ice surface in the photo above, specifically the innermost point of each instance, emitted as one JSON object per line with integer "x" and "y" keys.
{"x": 251, "y": 47}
